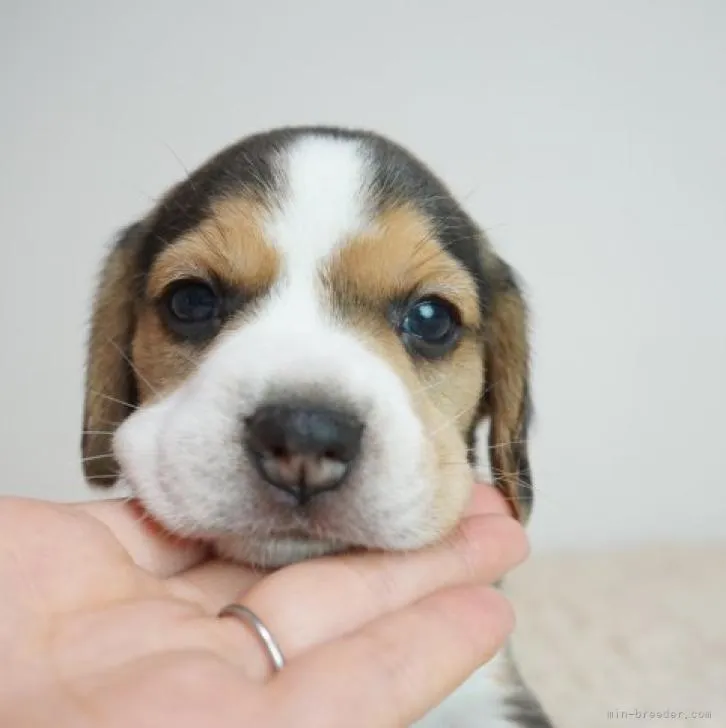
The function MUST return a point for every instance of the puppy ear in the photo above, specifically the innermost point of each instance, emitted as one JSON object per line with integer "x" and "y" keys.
{"x": 110, "y": 394}
{"x": 506, "y": 396}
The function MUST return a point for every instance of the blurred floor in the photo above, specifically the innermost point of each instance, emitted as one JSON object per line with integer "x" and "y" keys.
{"x": 634, "y": 630}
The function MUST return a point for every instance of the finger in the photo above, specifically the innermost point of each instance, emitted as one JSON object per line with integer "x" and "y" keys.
{"x": 57, "y": 557}
{"x": 399, "y": 667}
{"x": 485, "y": 498}
{"x": 338, "y": 595}
{"x": 164, "y": 555}
{"x": 214, "y": 584}
{"x": 149, "y": 545}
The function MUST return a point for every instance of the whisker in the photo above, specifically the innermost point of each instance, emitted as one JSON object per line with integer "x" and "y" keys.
{"x": 427, "y": 387}
{"x": 97, "y": 457}
{"x": 180, "y": 162}
{"x": 524, "y": 484}
{"x": 187, "y": 358}
{"x": 113, "y": 399}
{"x": 134, "y": 368}
{"x": 506, "y": 444}
{"x": 98, "y": 421}
{"x": 498, "y": 473}
{"x": 449, "y": 422}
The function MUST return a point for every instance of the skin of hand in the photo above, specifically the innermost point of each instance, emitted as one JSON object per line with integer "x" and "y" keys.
{"x": 107, "y": 622}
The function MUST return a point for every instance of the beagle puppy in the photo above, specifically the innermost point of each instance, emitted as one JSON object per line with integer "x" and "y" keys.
{"x": 292, "y": 353}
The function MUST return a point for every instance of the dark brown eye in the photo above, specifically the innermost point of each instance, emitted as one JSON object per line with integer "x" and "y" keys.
{"x": 430, "y": 327}
{"x": 193, "y": 303}
{"x": 193, "y": 309}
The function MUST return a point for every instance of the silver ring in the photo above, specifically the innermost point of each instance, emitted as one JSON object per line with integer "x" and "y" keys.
{"x": 250, "y": 618}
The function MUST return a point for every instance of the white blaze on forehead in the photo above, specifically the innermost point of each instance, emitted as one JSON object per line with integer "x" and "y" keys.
{"x": 324, "y": 201}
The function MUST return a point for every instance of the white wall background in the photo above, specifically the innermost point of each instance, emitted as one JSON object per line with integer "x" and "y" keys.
{"x": 588, "y": 137}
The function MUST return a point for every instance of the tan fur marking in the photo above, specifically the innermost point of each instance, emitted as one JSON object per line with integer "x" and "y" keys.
{"x": 229, "y": 245}
{"x": 108, "y": 386}
{"x": 160, "y": 362}
{"x": 506, "y": 381}
{"x": 400, "y": 256}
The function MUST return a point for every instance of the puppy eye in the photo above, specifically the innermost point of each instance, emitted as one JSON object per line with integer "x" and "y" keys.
{"x": 193, "y": 303}
{"x": 431, "y": 327}
{"x": 192, "y": 309}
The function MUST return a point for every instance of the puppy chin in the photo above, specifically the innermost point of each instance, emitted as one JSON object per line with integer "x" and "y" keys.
{"x": 273, "y": 553}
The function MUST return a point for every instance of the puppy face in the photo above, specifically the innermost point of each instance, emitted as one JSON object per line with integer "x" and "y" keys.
{"x": 291, "y": 354}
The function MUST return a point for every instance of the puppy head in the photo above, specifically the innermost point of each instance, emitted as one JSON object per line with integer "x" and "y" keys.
{"x": 291, "y": 354}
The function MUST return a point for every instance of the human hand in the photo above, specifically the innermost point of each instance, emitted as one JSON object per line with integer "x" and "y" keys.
{"x": 107, "y": 622}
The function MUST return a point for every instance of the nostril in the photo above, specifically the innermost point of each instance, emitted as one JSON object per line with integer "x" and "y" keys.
{"x": 281, "y": 430}
{"x": 347, "y": 444}
{"x": 302, "y": 445}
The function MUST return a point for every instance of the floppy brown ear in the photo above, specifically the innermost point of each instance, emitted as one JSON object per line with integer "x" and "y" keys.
{"x": 110, "y": 394}
{"x": 506, "y": 397}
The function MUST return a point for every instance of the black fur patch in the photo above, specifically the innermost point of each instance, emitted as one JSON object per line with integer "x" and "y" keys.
{"x": 247, "y": 166}
{"x": 524, "y": 710}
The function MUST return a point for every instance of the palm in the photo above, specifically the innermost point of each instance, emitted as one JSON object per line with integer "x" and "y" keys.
{"x": 105, "y": 625}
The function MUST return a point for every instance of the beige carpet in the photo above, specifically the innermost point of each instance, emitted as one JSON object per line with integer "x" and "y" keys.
{"x": 640, "y": 630}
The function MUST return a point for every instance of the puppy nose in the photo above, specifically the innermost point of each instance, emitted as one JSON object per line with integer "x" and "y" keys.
{"x": 304, "y": 450}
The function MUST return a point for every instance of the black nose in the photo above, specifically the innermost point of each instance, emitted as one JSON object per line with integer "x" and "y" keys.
{"x": 302, "y": 449}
